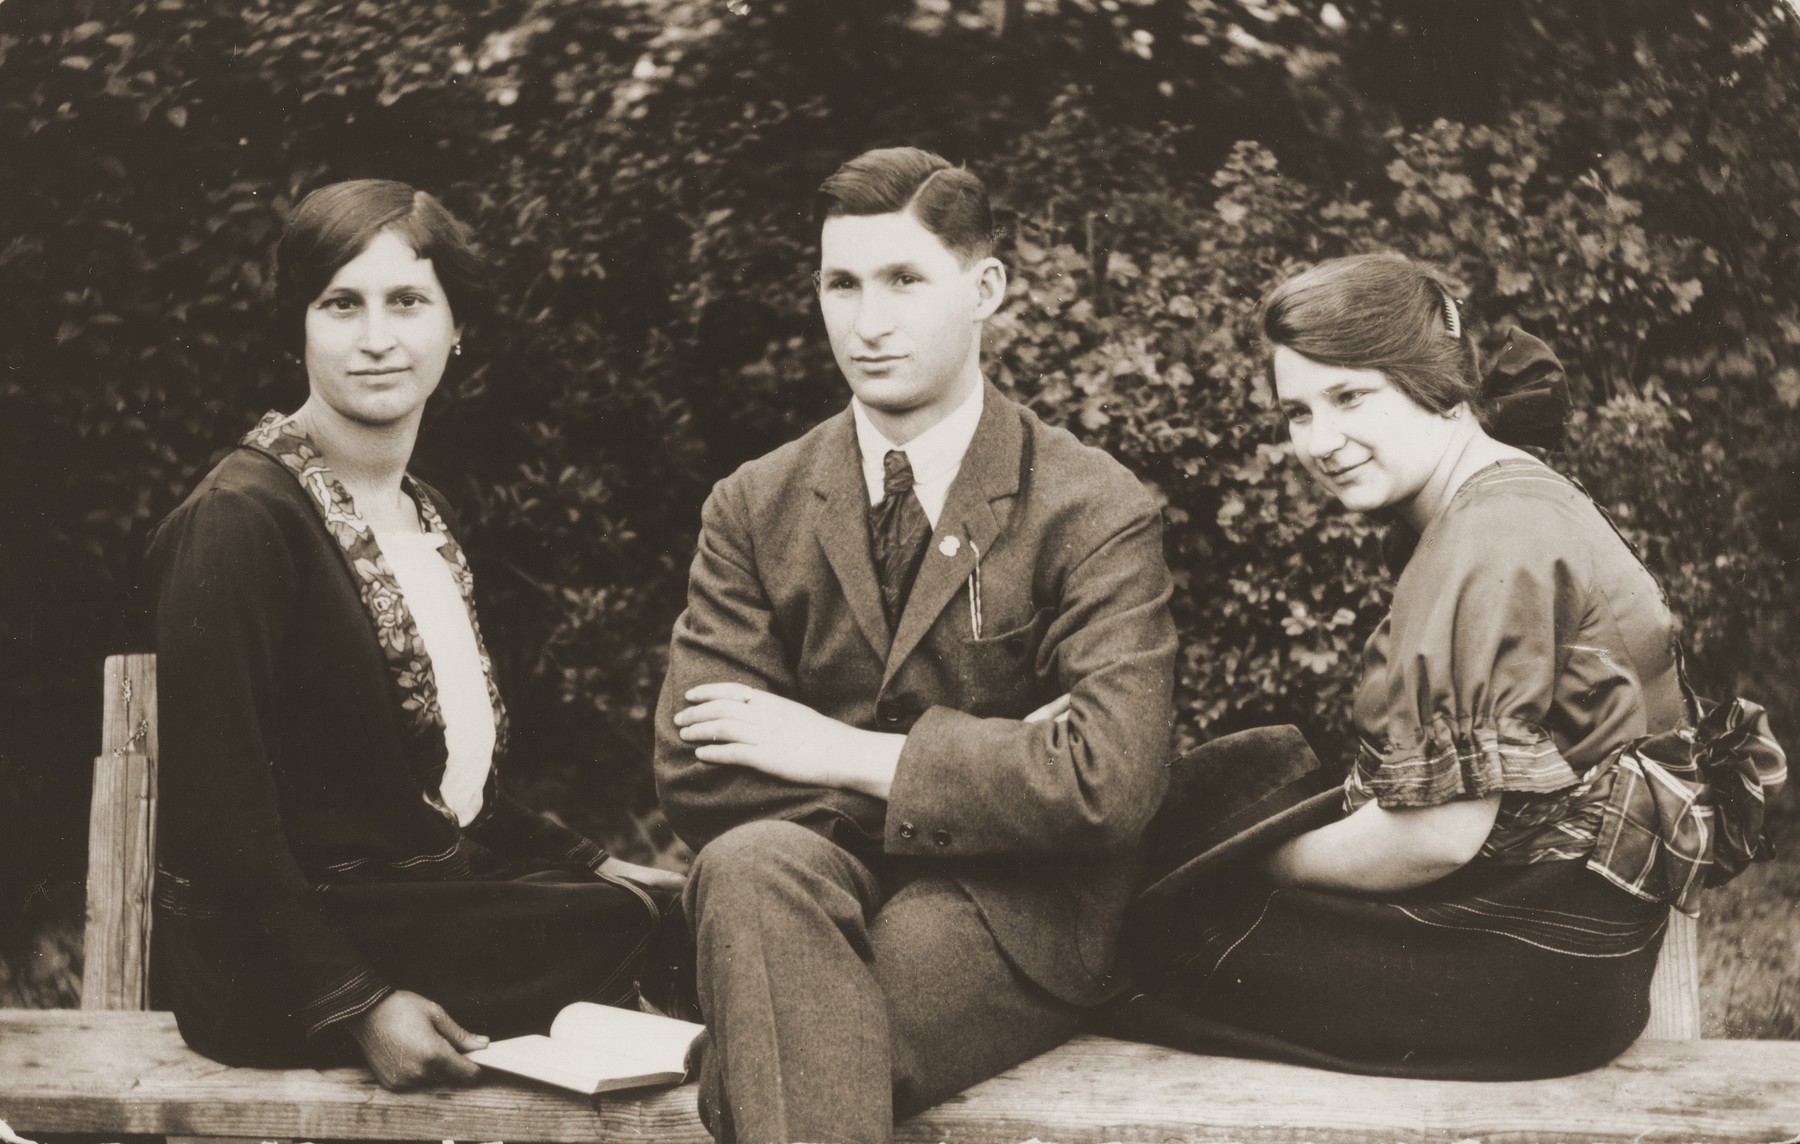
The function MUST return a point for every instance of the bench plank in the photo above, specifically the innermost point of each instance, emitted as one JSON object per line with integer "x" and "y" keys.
{"x": 1096, "y": 1089}
{"x": 129, "y": 1073}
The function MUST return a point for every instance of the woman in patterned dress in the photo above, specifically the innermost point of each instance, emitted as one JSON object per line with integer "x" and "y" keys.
{"x": 341, "y": 877}
{"x": 1491, "y": 897}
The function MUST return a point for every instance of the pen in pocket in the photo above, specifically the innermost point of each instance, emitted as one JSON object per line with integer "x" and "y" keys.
{"x": 975, "y": 593}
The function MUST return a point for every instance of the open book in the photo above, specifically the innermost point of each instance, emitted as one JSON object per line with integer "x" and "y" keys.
{"x": 598, "y": 1048}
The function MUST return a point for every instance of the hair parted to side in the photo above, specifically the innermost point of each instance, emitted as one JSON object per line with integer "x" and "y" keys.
{"x": 948, "y": 201}
{"x": 335, "y": 223}
{"x": 1382, "y": 312}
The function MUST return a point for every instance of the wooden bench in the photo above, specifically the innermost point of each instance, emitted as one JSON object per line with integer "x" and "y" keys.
{"x": 114, "y": 1068}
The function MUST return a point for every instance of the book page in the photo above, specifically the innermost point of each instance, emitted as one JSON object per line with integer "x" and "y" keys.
{"x": 598, "y": 1048}
{"x": 625, "y": 1034}
{"x": 540, "y": 1058}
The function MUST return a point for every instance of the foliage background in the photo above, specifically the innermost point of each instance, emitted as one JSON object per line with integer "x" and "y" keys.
{"x": 1621, "y": 179}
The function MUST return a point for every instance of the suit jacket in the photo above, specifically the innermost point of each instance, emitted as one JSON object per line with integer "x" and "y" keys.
{"x": 1040, "y": 823}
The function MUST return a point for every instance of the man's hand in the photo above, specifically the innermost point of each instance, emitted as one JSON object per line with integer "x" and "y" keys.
{"x": 650, "y": 877}
{"x": 737, "y": 725}
{"x": 410, "y": 1042}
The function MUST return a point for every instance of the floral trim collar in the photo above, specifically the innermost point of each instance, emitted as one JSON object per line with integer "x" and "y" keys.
{"x": 277, "y": 437}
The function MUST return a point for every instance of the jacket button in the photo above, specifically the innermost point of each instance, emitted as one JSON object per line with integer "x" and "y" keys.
{"x": 908, "y": 830}
{"x": 941, "y": 837}
{"x": 889, "y": 713}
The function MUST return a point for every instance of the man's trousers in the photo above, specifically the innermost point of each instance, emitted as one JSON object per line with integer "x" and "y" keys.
{"x": 842, "y": 991}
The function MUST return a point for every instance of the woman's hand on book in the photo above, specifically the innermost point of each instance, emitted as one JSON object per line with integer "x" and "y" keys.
{"x": 649, "y": 877}
{"x": 410, "y": 1042}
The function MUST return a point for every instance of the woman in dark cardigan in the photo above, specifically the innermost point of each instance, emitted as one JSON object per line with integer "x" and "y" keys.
{"x": 1535, "y": 787}
{"x": 340, "y": 875}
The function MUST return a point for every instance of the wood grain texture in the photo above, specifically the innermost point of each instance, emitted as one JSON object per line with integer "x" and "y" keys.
{"x": 1098, "y": 1090}
{"x": 122, "y": 841}
{"x": 1675, "y": 990}
{"x": 129, "y": 1073}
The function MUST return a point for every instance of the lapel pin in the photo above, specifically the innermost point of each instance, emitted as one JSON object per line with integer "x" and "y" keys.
{"x": 949, "y": 546}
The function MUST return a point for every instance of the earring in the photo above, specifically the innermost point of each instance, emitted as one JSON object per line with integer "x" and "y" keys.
{"x": 456, "y": 349}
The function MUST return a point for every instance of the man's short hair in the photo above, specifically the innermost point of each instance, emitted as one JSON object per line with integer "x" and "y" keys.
{"x": 948, "y": 201}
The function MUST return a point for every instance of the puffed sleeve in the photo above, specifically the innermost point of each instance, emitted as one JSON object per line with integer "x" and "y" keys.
{"x": 1459, "y": 681}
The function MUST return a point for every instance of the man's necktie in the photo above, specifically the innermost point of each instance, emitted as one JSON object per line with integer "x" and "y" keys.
{"x": 899, "y": 533}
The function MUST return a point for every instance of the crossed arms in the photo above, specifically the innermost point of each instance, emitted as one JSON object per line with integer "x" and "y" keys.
{"x": 740, "y": 738}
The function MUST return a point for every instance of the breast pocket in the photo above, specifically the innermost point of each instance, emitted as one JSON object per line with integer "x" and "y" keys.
{"x": 998, "y": 675}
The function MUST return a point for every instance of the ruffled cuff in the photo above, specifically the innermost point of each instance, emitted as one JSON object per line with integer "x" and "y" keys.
{"x": 1458, "y": 763}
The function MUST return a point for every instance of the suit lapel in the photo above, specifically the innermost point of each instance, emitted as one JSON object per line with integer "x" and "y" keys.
{"x": 842, "y": 526}
{"x": 975, "y": 512}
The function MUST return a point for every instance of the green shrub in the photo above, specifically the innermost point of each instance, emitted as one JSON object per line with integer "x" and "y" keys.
{"x": 642, "y": 173}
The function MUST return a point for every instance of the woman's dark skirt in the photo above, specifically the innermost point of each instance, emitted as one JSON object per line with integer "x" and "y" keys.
{"x": 1496, "y": 973}
{"x": 502, "y": 956}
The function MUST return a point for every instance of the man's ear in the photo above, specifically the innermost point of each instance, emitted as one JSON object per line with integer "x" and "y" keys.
{"x": 990, "y": 287}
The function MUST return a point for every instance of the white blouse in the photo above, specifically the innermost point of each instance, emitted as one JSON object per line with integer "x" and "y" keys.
{"x": 449, "y": 637}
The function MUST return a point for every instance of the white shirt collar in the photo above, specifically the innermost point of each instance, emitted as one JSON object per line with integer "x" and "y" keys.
{"x": 935, "y": 455}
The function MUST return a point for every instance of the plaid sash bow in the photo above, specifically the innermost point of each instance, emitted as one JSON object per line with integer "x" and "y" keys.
{"x": 1686, "y": 807}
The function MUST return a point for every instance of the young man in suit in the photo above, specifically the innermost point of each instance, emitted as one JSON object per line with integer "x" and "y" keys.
{"x": 917, "y": 710}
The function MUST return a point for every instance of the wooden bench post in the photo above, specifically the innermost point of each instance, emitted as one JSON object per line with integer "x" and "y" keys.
{"x": 1675, "y": 990}
{"x": 122, "y": 841}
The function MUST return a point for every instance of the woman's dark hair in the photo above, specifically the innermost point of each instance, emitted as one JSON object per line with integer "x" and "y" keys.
{"x": 334, "y": 224}
{"x": 950, "y": 202}
{"x": 1381, "y": 312}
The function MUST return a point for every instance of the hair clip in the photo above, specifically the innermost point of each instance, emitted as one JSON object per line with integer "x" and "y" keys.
{"x": 1452, "y": 316}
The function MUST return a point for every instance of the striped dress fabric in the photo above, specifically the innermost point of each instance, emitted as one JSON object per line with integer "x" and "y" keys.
{"x": 1529, "y": 653}
{"x": 1525, "y": 647}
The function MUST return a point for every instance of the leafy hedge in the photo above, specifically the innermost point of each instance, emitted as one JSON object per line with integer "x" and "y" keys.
{"x": 642, "y": 173}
